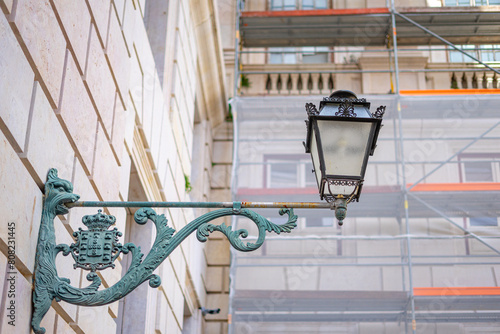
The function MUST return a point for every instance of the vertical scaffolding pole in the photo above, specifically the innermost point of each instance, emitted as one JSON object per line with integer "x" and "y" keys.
{"x": 403, "y": 173}
{"x": 395, "y": 50}
{"x": 237, "y": 49}
{"x": 233, "y": 104}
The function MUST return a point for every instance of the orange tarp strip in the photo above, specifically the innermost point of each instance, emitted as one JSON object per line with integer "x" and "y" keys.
{"x": 479, "y": 186}
{"x": 316, "y": 12}
{"x": 457, "y": 291}
{"x": 450, "y": 92}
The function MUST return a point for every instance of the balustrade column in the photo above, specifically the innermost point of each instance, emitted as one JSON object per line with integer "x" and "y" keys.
{"x": 324, "y": 78}
{"x": 315, "y": 79}
{"x": 468, "y": 79}
{"x": 295, "y": 80}
{"x": 489, "y": 79}
{"x": 274, "y": 86}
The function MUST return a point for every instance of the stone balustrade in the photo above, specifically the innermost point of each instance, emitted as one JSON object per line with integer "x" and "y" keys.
{"x": 475, "y": 80}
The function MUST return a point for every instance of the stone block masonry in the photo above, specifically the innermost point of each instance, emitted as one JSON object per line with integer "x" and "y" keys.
{"x": 80, "y": 92}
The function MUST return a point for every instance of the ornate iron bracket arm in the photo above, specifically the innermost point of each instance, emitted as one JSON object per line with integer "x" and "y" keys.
{"x": 92, "y": 255}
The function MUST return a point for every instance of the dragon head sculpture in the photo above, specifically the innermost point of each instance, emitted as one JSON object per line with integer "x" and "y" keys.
{"x": 58, "y": 192}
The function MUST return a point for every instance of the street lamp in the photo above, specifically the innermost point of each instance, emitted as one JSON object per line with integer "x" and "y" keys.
{"x": 340, "y": 137}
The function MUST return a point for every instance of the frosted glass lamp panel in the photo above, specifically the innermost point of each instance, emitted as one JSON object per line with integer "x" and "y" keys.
{"x": 344, "y": 146}
{"x": 315, "y": 157}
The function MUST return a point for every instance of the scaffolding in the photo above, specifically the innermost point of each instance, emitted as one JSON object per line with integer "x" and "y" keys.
{"x": 420, "y": 252}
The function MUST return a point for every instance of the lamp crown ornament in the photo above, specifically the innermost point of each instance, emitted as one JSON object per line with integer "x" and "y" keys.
{"x": 346, "y": 109}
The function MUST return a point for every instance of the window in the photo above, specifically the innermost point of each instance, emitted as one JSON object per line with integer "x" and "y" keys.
{"x": 471, "y": 2}
{"x": 490, "y": 53}
{"x": 289, "y": 171}
{"x": 480, "y": 167}
{"x": 487, "y": 53}
{"x": 297, "y": 4}
{"x": 483, "y": 221}
{"x": 478, "y": 171}
{"x": 305, "y": 55}
{"x": 314, "y": 4}
{"x": 282, "y": 56}
{"x": 459, "y": 57}
{"x": 315, "y": 54}
{"x": 283, "y": 5}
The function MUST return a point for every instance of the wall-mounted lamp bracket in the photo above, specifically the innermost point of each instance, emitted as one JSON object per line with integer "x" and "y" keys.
{"x": 97, "y": 247}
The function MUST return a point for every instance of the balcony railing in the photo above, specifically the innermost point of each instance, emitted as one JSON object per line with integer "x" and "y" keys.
{"x": 281, "y": 80}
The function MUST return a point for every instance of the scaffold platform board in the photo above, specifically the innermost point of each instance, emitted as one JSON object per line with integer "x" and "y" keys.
{"x": 369, "y": 26}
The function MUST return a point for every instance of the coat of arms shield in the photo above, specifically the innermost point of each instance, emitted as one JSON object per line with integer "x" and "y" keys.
{"x": 98, "y": 247}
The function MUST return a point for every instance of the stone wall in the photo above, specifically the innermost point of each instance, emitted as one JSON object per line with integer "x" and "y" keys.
{"x": 81, "y": 92}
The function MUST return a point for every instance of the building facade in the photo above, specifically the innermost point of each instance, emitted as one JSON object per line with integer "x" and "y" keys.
{"x": 419, "y": 252}
{"x": 127, "y": 100}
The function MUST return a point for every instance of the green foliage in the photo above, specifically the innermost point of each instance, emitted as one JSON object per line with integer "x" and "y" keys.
{"x": 187, "y": 184}
{"x": 245, "y": 82}
{"x": 229, "y": 117}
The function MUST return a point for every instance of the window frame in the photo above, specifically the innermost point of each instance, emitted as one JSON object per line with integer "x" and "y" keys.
{"x": 479, "y": 51}
{"x": 280, "y": 5}
{"x": 477, "y": 157}
{"x": 495, "y": 174}
{"x": 298, "y": 53}
{"x": 469, "y": 3}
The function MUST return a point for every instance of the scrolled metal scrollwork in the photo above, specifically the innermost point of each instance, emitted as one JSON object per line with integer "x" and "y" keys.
{"x": 351, "y": 183}
{"x": 49, "y": 286}
{"x": 379, "y": 113}
{"x": 262, "y": 223}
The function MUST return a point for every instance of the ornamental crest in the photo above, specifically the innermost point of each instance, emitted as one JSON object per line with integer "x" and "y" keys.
{"x": 346, "y": 109}
{"x": 379, "y": 113}
{"x": 98, "y": 247}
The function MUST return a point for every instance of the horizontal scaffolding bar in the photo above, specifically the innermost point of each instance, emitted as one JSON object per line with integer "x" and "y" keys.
{"x": 264, "y": 205}
{"x": 379, "y": 264}
{"x": 368, "y": 71}
{"x": 247, "y": 256}
{"x": 382, "y": 11}
{"x": 254, "y": 140}
{"x": 364, "y": 51}
{"x": 435, "y": 162}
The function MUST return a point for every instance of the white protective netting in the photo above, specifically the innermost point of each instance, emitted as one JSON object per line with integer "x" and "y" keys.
{"x": 324, "y": 278}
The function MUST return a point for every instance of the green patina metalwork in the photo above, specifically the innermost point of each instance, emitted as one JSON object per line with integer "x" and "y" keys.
{"x": 98, "y": 247}
{"x": 340, "y": 210}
